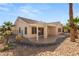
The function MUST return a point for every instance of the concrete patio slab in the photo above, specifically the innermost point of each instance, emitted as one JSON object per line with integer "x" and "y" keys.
{"x": 51, "y": 39}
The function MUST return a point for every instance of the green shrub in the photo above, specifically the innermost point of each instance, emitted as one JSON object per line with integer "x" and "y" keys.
{"x": 0, "y": 33}
{"x": 7, "y": 33}
{"x": 18, "y": 37}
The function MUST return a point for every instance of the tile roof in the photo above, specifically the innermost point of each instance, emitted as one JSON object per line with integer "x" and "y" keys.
{"x": 30, "y": 20}
{"x": 37, "y": 22}
{"x": 56, "y": 23}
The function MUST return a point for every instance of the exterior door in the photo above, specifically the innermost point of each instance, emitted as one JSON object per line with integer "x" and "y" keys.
{"x": 40, "y": 31}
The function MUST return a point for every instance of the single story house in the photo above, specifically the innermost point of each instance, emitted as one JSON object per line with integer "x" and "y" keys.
{"x": 29, "y": 28}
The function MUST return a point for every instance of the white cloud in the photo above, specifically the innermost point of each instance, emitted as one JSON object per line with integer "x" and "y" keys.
{"x": 4, "y": 9}
{"x": 24, "y": 11}
{"x": 3, "y": 4}
{"x": 36, "y": 11}
{"x": 6, "y": 4}
{"x": 30, "y": 10}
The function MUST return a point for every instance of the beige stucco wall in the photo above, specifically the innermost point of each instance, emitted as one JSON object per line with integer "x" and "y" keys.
{"x": 48, "y": 30}
{"x": 45, "y": 32}
{"x": 22, "y": 24}
{"x": 59, "y": 26}
{"x": 30, "y": 30}
{"x": 13, "y": 29}
{"x": 51, "y": 30}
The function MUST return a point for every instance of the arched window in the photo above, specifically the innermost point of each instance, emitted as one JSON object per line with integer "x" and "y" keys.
{"x": 25, "y": 30}
{"x": 19, "y": 29}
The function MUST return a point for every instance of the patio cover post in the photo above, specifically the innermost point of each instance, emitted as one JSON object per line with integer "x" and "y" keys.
{"x": 37, "y": 34}
{"x": 45, "y": 32}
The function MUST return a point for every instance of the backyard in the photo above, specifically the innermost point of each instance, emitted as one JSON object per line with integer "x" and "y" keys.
{"x": 18, "y": 39}
{"x": 62, "y": 46}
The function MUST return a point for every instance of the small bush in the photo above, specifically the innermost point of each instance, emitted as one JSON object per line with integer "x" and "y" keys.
{"x": 18, "y": 37}
{"x": 0, "y": 33}
{"x": 7, "y": 33}
{"x": 6, "y": 47}
{"x": 1, "y": 39}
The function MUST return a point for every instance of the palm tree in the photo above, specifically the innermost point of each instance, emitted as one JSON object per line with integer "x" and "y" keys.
{"x": 72, "y": 31}
{"x": 8, "y": 25}
{"x": 76, "y": 21}
{"x": 7, "y": 33}
{"x": 3, "y": 28}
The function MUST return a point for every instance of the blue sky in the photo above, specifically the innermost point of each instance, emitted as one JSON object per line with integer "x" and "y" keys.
{"x": 43, "y": 12}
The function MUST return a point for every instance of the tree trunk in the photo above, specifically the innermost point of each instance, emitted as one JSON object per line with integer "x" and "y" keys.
{"x": 72, "y": 31}
{"x": 6, "y": 39}
{"x": 76, "y": 34}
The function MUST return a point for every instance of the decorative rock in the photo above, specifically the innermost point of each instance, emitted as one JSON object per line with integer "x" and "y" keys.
{"x": 66, "y": 48}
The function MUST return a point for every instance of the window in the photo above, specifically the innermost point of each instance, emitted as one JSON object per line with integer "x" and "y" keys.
{"x": 34, "y": 30}
{"x": 19, "y": 30}
{"x": 59, "y": 29}
{"x": 25, "y": 30}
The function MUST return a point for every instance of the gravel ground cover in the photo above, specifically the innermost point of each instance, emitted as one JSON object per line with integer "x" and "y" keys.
{"x": 62, "y": 47}
{"x": 65, "y": 48}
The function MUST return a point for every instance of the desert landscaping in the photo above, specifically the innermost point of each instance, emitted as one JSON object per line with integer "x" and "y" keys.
{"x": 65, "y": 48}
{"x": 28, "y": 37}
